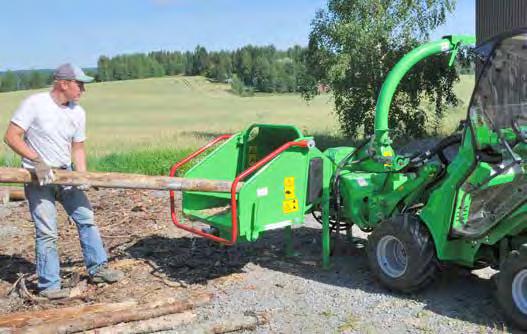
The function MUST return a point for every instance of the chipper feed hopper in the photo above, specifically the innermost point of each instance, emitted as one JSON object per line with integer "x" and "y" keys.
{"x": 284, "y": 177}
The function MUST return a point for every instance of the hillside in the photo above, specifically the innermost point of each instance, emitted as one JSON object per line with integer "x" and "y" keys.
{"x": 179, "y": 112}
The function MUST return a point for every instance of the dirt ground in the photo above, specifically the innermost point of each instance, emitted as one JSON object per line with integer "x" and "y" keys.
{"x": 160, "y": 260}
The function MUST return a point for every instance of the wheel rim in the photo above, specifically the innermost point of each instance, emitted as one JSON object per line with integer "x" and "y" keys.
{"x": 391, "y": 256}
{"x": 519, "y": 290}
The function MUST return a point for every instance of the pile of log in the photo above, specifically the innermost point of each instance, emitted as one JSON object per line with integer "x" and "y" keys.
{"x": 125, "y": 317}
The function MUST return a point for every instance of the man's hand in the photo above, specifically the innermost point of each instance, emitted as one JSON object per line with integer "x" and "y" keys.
{"x": 43, "y": 172}
{"x": 83, "y": 187}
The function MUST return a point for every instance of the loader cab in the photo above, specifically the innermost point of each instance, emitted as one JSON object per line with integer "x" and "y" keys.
{"x": 497, "y": 133}
{"x": 498, "y": 109}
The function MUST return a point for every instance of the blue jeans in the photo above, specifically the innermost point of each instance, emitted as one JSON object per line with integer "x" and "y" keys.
{"x": 44, "y": 213}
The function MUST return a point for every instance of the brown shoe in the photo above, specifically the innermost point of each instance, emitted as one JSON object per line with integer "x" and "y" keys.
{"x": 106, "y": 275}
{"x": 55, "y": 294}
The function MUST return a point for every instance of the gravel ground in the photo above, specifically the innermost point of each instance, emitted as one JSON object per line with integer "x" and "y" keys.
{"x": 296, "y": 294}
{"x": 300, "y": 297}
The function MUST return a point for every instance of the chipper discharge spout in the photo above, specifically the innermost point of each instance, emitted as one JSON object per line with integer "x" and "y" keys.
{"x": 380, "y": 149}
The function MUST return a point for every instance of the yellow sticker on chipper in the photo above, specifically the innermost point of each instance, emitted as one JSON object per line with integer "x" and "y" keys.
{"x": 289, "y": 182}
{"x": 289, "y": 194}
{"x": 290, "y": 205}
{"x": 289, "y": 187}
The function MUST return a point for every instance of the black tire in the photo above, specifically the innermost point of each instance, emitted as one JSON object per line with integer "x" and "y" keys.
{"x": 512, "y": 288}
{"x": 400, "y": 238}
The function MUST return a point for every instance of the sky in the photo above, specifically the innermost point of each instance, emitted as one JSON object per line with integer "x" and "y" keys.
{"x": 38, "y": 34}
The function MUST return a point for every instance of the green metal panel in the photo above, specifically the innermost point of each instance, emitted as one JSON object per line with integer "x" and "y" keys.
{"x": 438, "y": 212}
{"x": 225, "y": 155}
{"x": 274, "y": 196}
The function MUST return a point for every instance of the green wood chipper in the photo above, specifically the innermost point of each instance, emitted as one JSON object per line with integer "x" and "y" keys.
{"x": 423, "y": 208}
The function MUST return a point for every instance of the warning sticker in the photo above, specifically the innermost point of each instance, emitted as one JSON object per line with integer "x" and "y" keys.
{"x": 290, "y": 205}
{"x": 289, "y": 182}
{"x": 289, "y": 187}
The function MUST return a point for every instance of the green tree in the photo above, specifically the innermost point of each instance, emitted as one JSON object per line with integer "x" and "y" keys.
{"x": 9, "y": 82}
{"x": 239, "y": 88}
{"x": 263, "y": 74}
{"x": 220, "y": 66}
{"x": 36, "y": 80}
{"x": 200, "y": 61}
{"x": 104, "y": 72}
{"x": 354, "y": 44}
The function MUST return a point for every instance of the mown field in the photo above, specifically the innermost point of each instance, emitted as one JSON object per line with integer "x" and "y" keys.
{"x": 146, "y": 125}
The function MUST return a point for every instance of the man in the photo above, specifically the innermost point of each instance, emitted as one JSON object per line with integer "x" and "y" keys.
{"x": 48, "y": 131}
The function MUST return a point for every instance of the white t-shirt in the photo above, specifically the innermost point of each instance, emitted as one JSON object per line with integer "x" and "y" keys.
{"x": 50, "y": 128}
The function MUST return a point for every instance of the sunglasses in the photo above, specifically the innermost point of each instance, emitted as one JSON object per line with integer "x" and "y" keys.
{"x": 80, "y": 84}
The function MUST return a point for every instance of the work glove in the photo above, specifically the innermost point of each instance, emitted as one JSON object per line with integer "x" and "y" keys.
{"x": 83, "y": 187}
{"x": 43, "y": 172}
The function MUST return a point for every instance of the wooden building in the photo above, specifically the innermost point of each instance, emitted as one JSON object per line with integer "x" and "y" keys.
{"x": 496, "y": 16}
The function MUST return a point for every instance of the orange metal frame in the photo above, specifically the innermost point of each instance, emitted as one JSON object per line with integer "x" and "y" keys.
{"x": 240, "y": 177}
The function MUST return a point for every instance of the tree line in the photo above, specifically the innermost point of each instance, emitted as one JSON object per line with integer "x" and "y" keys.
{"x": 20, "y": 80}
{"x": 248, "y": 69}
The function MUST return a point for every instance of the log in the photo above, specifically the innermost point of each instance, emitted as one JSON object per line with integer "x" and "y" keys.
{"x": 119, "y": 180}
{"x": 228, "y": 325}
{"x": 11, "y": 194}
{"x": 4, "y": 196}
{"x": 164, "y": 323}
{"x": 17, "y": 194}
{"x": 21, "y": 319}
{"x": 97, "y": 320}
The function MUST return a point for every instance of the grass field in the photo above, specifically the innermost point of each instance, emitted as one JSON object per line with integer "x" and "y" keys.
{"x": 154, "y": 119}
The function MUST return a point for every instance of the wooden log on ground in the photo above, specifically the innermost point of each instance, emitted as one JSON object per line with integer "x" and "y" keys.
{"x": 164, "y": 323}
{"x": 17, "y": 194}
{"x": 21, "y": 319}
{"x": 97, "y": 320}
{"x": 228, "y": 325}
{"x": 4, "y": 196}
{"x": 11, "y": 194}
{"x": 119, "y": 180}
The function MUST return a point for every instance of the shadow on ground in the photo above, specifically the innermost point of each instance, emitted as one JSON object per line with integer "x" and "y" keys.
{"x": 12, "y": 266}
{"x": 456, "y": 293}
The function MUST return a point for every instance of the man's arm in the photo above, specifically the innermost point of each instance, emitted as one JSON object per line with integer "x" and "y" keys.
{"x": 14, "y": 138}
{"x": 78, "y": 155}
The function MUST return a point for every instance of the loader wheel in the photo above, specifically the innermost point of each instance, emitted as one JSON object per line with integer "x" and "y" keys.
{"x": 512, "y": 288}
{"x": 401, "y": 254}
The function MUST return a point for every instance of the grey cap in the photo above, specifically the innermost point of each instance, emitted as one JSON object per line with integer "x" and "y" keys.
{"x": 71, "y": 72}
